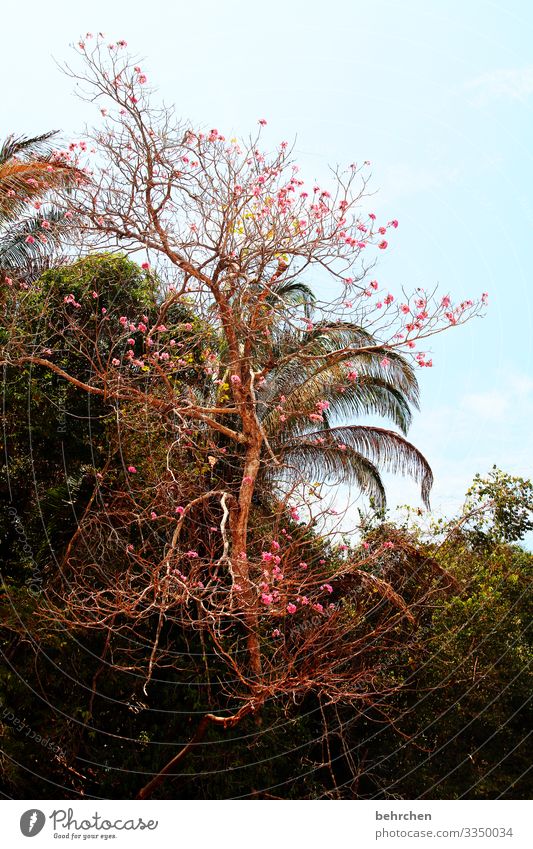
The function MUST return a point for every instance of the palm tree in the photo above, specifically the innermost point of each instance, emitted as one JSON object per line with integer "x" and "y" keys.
{"x": 30, "y": 173}
{"x": 334, "y": 372}
{"x": 343, "y": 365}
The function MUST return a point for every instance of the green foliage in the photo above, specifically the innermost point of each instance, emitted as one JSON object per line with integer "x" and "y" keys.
{"x": 121, "y": 285}
{"x": 470, "y": 709}
{"x": 501, "y": 507}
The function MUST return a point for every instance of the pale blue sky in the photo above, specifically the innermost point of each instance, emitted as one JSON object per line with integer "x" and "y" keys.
{"x": 438, "y": 95}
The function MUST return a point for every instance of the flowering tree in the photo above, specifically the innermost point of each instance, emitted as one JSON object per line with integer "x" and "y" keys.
{"x": 231, "y": 388}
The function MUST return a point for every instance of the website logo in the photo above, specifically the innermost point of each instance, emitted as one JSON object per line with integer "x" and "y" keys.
{"x": 32, "y": 822}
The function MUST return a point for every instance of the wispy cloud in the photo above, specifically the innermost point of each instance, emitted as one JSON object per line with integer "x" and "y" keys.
{"x": 488, "y": 406}
{"x": 510, "y": 83}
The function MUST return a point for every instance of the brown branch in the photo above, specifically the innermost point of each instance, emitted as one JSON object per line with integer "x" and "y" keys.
{"x": 209, "y": 718}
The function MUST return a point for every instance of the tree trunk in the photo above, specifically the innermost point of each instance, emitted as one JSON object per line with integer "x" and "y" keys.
{"x": 239, "y": 559}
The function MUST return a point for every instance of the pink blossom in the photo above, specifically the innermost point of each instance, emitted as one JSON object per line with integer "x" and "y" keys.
{"x": 393, "y": 223}
{"x": 291, "y": 608}
{"x": 385, "y": 362}
{"x": 266, "y": 598}
{"x": 115, "y": 362}
{"x": 132, "y": 470}
{"x": 235, "y": 379}
{"x": 180, "y": 510}
{"x": 382, "y": 245}
{"x": 327, "y": 587}
{"x": 29, "y": 240}
{"x": 389, "y": 299}
{"x": 192, "y": 555}
{"x": 262, "y": 122}
{"x": 145, "y": 266}
{"x": 153, "y": 515}
{"x": 276, "y": 632}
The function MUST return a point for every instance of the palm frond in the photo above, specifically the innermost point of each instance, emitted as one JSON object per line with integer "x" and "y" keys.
{"x": 35, "y": 146}
{"x": 24, "y": 182}
{"x": 330, "y": 463}
{"x": 293, "y": 294}
{"x": 26, "y": 259}
{"x": 369, "y": 394}
{"x": 384, "y": 449}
